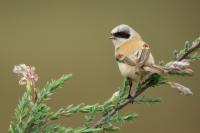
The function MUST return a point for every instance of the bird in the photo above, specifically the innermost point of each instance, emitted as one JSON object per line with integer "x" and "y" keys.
{"x": 131, "y": 54}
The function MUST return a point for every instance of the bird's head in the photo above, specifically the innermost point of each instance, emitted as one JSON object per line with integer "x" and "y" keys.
{"x": 121, "y": 34}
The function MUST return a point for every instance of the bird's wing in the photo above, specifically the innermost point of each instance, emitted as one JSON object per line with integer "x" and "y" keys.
{"x": 135, "y": 53}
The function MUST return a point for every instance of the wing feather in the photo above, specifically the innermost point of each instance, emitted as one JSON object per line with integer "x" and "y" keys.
{"x": 134, "y": 52}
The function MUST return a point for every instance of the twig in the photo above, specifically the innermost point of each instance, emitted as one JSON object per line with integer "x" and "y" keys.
{"x": 124, "y": 104}
{"x": 189, "y": 51}
{"x": 145, "y": 85}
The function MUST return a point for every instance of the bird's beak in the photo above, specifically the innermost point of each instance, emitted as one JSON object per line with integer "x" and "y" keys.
{"x": 111, "y": 36}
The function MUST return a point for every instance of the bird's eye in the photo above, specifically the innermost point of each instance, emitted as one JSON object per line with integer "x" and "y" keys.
{"x": 122, "y": 35}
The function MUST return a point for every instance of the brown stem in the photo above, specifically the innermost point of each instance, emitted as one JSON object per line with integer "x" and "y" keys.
{"x": 142, "y": 89}
{"x": 124, "y": 104}
{"x": 34, "y": 93}
{"x": 131, "y": 99}
{"x": 189, "y": 51}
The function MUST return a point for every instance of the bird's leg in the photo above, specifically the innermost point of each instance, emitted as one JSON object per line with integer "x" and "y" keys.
{"x": 130, "y": 85}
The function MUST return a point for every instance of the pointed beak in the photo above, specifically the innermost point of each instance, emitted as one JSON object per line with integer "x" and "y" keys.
{"x": 110, "y": 36}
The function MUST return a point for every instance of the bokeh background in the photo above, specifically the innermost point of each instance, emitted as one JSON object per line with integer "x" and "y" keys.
{"x": 60, "y": 37}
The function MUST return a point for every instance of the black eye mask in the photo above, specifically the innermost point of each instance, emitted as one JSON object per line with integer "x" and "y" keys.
{"x": 122, "y": 35}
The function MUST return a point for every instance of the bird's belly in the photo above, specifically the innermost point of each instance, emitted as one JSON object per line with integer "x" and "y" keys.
{"x": 129, "y": 71}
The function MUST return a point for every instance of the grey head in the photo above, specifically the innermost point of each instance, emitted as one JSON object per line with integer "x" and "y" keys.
{"x": 122, "y": 33}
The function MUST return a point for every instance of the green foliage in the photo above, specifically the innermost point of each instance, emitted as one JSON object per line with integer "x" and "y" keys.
{"x": 36, "y": 116}
{"x": 179, "y": 53}
{"x": 121, "y": 119}
{"x": 51, "y": 87}
{"x": 90, "y": 117}
{"x": 153, "y": 80}
{"x": 186, "y": 48}
{"x": 110, "y": 128}
{"x": 123, "y": 92}
{"x": 147, "y": 100}
{"x": 21, "y": 113}
{"x": 162, "y": 63}
{"x": 33, "y": 117}
{"x": 179, "y": 73}
{"x": 193, "y": 57}
{"x": 61, "y": 129}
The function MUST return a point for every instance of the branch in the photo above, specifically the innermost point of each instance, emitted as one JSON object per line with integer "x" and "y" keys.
{"x": 34, "y": 115}
{"x": 144, "y": 86}
{"x": 124, "y": 104}
{"x": 196, "y": 45}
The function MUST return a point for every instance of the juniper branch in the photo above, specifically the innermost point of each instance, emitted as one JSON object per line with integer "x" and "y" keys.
{"x": 33, "y": 115}
{"x": 196, "y": 45}
{"x": 150, "y": 82}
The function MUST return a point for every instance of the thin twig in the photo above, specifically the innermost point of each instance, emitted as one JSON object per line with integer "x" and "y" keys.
{"x": 145, "y": 86}
{"x": 189, "y": 51}
{"x": 124, "y": 104}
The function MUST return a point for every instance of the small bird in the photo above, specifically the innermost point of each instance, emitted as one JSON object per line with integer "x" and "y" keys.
{"x": 131, "y": 53}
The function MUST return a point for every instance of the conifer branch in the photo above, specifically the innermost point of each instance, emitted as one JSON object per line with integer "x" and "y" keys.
{"x": 150, "y": 82}
{"x": 195, "y": 46}
{"x": 33, "y": 115}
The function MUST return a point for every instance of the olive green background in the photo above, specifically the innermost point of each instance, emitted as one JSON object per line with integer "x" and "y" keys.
{"x": 60, "y": 37}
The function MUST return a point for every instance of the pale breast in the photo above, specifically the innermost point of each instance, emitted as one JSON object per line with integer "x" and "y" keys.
{"x": 134, "y": 72}
{"x": 129, "y": 71}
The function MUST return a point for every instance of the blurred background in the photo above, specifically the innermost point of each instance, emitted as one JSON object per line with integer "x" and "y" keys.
{"x": 59, "y": 37}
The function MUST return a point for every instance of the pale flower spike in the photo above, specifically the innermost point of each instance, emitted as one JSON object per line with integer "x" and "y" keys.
{"x": 178, "y": 64}
{"x": 182, "y": 89}
{"x": 26, "y": 73}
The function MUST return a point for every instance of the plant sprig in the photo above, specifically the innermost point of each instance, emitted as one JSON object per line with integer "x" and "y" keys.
{"x": 33, "y": 115}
